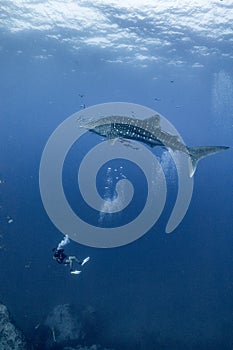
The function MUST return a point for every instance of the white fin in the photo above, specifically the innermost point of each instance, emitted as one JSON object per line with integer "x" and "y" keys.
{"x": 75, "y": 272}
{"x": 85, "y": 260}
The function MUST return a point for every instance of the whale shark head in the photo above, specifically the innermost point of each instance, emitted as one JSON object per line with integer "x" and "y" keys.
{"x": 105, "y": 130}
{"x": 102, "y": 130}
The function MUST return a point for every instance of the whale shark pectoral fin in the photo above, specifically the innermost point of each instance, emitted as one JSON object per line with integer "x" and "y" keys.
{"x": 111, "y": 141}
{"x": 197, "y": 153}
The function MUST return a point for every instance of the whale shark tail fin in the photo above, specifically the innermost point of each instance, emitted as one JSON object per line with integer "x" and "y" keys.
{"x": 197, "y": 153}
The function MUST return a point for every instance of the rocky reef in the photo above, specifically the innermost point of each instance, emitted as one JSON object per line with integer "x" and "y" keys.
{"x": 62, "y": 329}
{"x": 66, "y": 329}
{"x": 11, "y": 338}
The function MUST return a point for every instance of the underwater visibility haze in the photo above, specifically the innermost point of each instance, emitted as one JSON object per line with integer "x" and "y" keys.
{"x": 163, "y": 290}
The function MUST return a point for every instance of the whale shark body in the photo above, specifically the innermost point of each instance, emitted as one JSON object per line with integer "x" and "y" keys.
{"x": 149, "y": 132}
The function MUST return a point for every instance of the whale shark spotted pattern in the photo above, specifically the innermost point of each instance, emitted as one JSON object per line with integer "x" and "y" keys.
{"x": 148, "y": 131}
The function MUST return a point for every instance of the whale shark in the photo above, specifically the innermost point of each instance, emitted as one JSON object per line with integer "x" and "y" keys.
{"x": 149, "y": 132}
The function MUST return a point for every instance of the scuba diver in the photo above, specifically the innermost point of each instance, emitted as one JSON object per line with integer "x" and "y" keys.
{"x": 59, "y": 255}
{"x": 62, "y": 258}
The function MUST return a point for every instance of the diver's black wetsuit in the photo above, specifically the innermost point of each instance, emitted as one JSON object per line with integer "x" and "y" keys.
{"x": 59, "y": 256}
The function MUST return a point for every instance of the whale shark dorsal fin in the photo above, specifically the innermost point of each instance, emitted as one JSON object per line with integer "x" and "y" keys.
{"x": 153, "y": 122}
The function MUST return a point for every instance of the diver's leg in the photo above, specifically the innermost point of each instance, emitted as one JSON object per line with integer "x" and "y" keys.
{"x": 71, "y": 261}
{"x": 80, "y": 262}
{"x": 74, "y": 258}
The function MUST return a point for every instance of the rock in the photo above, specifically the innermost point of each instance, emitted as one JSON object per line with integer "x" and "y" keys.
{"x": 11, "y": 338}
{"x": 64, "y": 325}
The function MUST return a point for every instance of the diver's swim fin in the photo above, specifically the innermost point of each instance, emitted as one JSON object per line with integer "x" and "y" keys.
{"x": 85, "y": 261}
{"x": 75, "y": 272}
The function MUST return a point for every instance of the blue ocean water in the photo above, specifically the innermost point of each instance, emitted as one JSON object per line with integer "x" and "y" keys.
{"x": 163, "y": 291}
